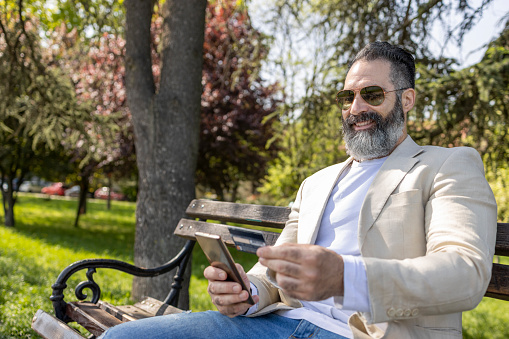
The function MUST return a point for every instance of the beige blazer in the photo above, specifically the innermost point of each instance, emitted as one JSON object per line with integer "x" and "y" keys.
{"x": 426, "y": 233}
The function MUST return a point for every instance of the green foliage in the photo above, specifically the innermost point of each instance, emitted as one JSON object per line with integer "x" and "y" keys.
{"x": 499, "y": 182}
{"x": 237, "y": 104}
{"x": 38, "y": 109}
{"x": 304, "y": 154}
{"x": 468, "y": 106}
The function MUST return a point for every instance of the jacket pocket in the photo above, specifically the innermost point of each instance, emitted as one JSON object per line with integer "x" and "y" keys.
{"x": 398, "y": 232}
{"x": 405, "y": 198}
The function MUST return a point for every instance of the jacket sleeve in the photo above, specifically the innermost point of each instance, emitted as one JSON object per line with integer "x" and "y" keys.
{"x": 460, "y": 229}
{"x": 267, "y": 292}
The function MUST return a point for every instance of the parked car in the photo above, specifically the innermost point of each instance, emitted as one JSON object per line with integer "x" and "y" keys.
{"x": 33, "y": 185}
{"x": 102, "y": 193}
{"x": 73, "y": 191}
{"x": 56, "y": 188}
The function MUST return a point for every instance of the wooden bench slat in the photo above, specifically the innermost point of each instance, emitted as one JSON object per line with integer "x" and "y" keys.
{"x": 258, "y": 215}
{"x": 124, "y": 313}
{"x": 502, "y": 244}
{"x": 91, "y": 317}
{"x": 499, "y": 284}
{"x": 48, "y": 326}
{"x": 187, "y": 228}
{"x": 155, "y": 307}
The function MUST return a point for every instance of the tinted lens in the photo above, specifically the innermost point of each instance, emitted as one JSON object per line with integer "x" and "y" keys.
{"x": 373, "y": 95}
{"x": 345, "y": 98}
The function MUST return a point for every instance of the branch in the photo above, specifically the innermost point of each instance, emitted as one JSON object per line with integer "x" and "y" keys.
{"x": 407, "y": 14}
{"x": 419, "y": 15}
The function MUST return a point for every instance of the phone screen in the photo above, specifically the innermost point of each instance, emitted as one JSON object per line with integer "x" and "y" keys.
{"x": 218, "y": 255}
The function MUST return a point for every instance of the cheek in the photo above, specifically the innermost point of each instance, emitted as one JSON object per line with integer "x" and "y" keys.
{"x": 384, "y": 111}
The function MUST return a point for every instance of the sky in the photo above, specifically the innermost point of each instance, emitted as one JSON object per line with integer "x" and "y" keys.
{"x": 488, "y": 28}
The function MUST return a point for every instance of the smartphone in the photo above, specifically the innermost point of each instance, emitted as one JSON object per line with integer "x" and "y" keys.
{"x": 218, "y": 255}
{"x": 247, "y": 240}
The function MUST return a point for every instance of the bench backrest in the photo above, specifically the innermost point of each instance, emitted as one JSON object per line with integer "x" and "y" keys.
{"x": 499, "y": 284}
{"x": 218, "y": 214}
{"x": 214, "y": 216}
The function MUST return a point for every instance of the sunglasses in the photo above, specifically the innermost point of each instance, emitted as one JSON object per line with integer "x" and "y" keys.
{"x": 373, "y": 95}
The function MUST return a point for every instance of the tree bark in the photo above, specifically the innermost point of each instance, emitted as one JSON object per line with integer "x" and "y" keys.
{"x": 166, "y": 125}
{"x": 82, "y": 200}
{"x": 8, "y": 201}
{"x": 8, "y": 204}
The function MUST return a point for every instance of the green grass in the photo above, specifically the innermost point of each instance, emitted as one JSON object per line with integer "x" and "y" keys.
{"x": 45, "y": 241}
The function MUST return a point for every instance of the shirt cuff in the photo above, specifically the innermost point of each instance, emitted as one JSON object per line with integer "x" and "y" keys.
{"x": 254, "y": 308}
{"x": 355, "y": 280}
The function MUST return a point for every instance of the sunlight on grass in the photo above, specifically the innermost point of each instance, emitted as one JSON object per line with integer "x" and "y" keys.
{"x": 44, "y": 242}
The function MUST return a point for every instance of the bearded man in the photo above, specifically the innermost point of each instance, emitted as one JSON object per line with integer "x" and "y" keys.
{"x": 395, "y": 242}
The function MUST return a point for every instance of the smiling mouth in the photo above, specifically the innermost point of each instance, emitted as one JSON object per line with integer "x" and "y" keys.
{"x": 361, "y": 125}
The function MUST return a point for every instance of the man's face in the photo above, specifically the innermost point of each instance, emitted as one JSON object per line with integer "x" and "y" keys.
{"x": 372, "y": 131}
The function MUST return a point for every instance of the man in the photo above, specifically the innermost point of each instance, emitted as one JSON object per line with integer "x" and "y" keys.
{"x": 395, "y": 242}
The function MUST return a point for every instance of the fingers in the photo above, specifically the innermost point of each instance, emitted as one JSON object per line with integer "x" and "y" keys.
{"x": 283, "y": 267}
{"x": 229, "y": 304}
{"x": 306, "y": 272}
{"x": 227, "y": 296}
{"x": 287, "y": 252}
{"x": 228, "y": 299}
{"x": 214, "y": 273}
{"x": 236, "y": 309}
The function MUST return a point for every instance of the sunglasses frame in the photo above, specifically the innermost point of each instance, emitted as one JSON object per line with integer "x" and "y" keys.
{"x": 355, "y": 90}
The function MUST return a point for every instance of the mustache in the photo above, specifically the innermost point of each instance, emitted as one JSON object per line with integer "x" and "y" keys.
{"x": 365, "y": 116}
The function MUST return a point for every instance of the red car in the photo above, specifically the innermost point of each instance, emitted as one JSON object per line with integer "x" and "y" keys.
{"x": 56, "y": 188}
{"x": 102, "y": 193}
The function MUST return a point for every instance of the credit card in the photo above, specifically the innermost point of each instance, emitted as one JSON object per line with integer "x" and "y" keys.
{"x": 247, "y": 240}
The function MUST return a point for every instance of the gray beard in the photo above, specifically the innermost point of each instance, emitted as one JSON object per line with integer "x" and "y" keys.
{"x": 378, "y": 141}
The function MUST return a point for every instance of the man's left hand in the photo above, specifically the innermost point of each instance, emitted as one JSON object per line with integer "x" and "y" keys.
{"x": 305, "y": 272}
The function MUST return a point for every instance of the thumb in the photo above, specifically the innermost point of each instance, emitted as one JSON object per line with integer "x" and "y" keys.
{"x": 243, "y": 274}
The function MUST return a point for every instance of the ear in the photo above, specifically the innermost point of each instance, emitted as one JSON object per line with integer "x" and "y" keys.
{"x": 408, "y": 99}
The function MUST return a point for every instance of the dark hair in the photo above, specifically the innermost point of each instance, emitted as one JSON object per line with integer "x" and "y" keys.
{"x": 402, "y": 62}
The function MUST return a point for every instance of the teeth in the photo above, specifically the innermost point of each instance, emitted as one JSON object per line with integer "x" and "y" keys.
{"x": 363, "y": 123}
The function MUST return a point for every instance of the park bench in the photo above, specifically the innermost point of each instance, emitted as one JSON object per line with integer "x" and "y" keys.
{"x": 202, "y": 216}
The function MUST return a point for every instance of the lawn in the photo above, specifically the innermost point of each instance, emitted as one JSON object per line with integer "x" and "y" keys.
{"x": 44, "y": 242}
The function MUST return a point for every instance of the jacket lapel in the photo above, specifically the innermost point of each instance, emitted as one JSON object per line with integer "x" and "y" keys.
{"x": 318, "y": 194}
{"x": 394, "y": 169}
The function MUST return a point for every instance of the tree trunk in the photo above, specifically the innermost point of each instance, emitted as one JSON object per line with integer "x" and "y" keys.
{"x": 109, "y": 192}
{"x": 8, "y": 209}
{"x": 8, "y": 203}
{"x": 166, "y": 125}
{"x": 82, "y": 200}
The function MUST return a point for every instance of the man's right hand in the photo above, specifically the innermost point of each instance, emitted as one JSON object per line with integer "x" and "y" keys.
{"x": 228, "y": 296}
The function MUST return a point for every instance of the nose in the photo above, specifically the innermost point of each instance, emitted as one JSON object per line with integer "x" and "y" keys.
{"x": 358, "y": 105}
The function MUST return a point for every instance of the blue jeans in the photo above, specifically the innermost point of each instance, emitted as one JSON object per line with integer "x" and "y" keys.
{"x": 212, "y": 324}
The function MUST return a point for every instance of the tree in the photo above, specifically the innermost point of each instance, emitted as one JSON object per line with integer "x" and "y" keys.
{"x": 469, "y": 106}
{"x": 237, "y": 106}
{"x": 166, "y": 125}
{"x": 38, "y": 107}
{"x": 98, "y": 73}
